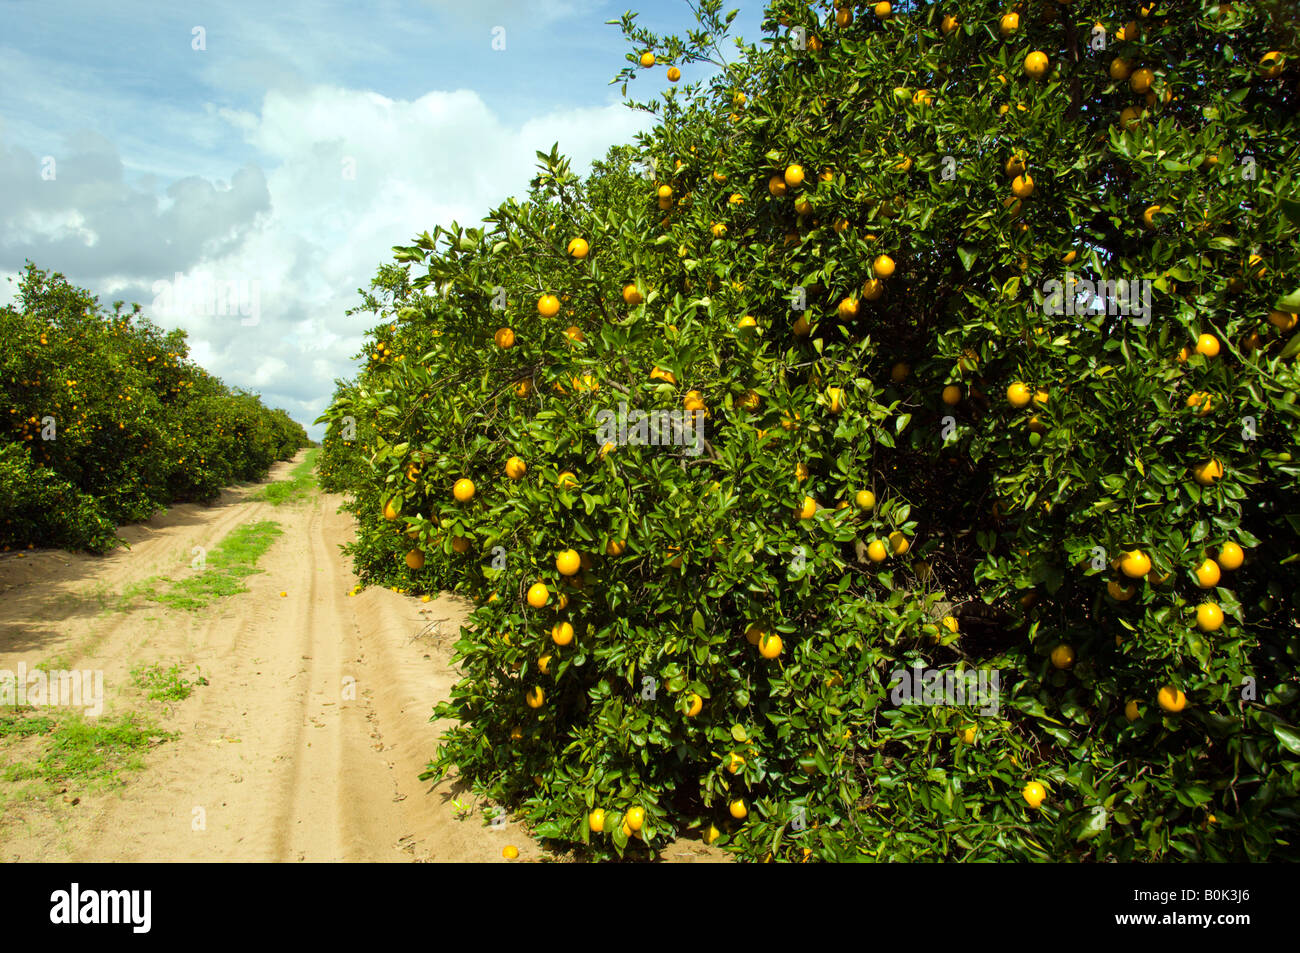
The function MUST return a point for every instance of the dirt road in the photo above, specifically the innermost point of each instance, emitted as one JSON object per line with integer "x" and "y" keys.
{"x": 274, "y": 760}
{"x": 307, "y": 742}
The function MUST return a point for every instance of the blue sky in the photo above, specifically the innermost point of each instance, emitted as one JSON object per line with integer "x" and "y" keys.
{"x": 291, "y": 153}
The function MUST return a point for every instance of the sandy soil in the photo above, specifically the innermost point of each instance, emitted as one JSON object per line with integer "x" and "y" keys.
{"x": 274, "y": 762}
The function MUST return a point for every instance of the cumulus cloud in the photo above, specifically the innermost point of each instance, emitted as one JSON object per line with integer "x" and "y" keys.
{"x": 341, "y": 176}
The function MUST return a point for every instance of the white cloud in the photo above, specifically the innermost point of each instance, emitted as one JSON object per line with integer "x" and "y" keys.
{"x": 292, "y": 226}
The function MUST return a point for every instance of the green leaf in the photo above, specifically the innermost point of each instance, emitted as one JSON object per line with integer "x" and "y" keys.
{"x": 1290, "y": 303}
{"x": 1291, "y": 209}
{"x": 1093, "y": 825}
{"x": 1290, "y": 739}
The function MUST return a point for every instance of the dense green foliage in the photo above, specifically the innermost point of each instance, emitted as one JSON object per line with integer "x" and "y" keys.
{"x": 104, "y": 420}
{"x": 1007, "y": 502}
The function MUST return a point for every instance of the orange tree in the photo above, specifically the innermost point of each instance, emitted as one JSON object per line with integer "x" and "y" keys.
{"x": 104, "y": 420}
{"x": 986, "y": 315}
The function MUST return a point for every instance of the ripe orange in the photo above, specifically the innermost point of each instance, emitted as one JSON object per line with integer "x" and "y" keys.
{"x": 968, "y": 736}
{"x": 1141, "y": 80}
{"x": 515, "y": 468}
{"x": 566, "y": 481}
{"x": 415, "y": 559}
{"x": 1209, "y": 616}
{"x": 1019, "y": 395}
{"x": 770, "y": 645}
{"x": 754, "y": 634}
{"x": 1119, "y": 69}
{"x": 544, "y": 664}
{"x": 952, "y": 395}
{"x": 801, "y": 471}
{"x": 1171, "y": 699}
{"x": 949, "y": 24}
{"x": 538, "y": 595}
{"x": 463, "y": 491}
{"x": 776, "y": 185}
{"x": 391, "y": 512}
{"x": 734, "y": 763}
{"x": 562, "y": 633}
{"x": 718, "y": 229}
{"x": 1207, "y": 574}
{"x": 848, "y": 308}
{"x": 1201, "y": 402}
{"x": 738, "y": 810}
{"x": 1036, "y": 65}
{"x": 1131, "y": 711}
{"x": 1009, "y": 23}
{"x": 548, "y": 306}
{"x": 1207, "y": 472}
{"x": 535, "y": 697}
{"x": 1022, "y": 186}
{"x": 1270, "y": 64}
{"x": 647, "y": 59}
{"x": 1230, "y": 555}
{"x": 1063, "y": 656}
{"x": 693, "y": 705}
{"x": 578, "y": 247}
{"x": 674, "y": 74}
{"x": 615, "y": 547}
{"x": 510, "y": 852}
{"x": 793, "y": 176}
{"x": 865, "y": 500}
{"x": 568, "y": 562}
{"x": 836, "y": 397}
{"x": 898, "y": 543}
{"x": 635, "y": 818}
{"x": 1033, "y": 794}
{"x": 899, "y": 372}
{"x": 596, "y": 820}
{"x": 1121, "y": 592}
{"x": 1208, "y": 345}
{"x": 632, "y": 295}
{"x": 1135, "y": 564}
{"x": 1282, "y": 320}
{"x": 460, "y": 544}
{"x": 883, "y": 266}
{"x": 876, "y": 551}
{"x": 807, "y": 509}
{"x": 873, "y": 289}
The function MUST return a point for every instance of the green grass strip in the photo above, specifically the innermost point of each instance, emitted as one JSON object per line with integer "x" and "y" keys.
{"x": 84, "y": 751}
{"x": 234, "y": 559}
{"x": 301, "y": 482}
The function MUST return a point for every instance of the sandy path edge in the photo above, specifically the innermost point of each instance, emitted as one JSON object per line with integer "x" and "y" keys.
{"x": 308, "y": 741}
